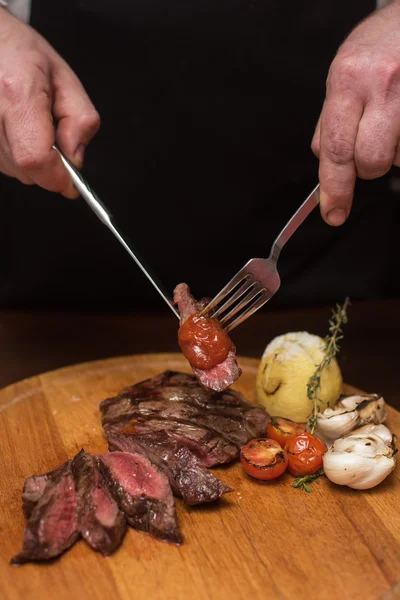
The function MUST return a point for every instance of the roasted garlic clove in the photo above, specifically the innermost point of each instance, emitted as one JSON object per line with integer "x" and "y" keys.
{"x": 381, "y": 430}
{"x": 350, "y": 412}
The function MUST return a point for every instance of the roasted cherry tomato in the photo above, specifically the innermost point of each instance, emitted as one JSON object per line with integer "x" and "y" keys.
{"x": 281, "y": 430}
{"x": 263, "y": 459}
{"x": 305, "y": 452}
{"x": 203, "y": 342}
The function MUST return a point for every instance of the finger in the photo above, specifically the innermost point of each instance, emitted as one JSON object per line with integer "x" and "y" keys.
{"x": 337, "y": 170}
{"x": 29, "y": 133}
{"x": 377, "y": 137}
{"x": 76, "y": 117}
{"x": 315, "y": 144}
{"x": 7, "y": 166}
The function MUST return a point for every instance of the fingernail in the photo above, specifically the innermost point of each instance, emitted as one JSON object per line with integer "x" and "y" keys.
{"x": 79, "y": 156}
{"x": 336, "y": 216}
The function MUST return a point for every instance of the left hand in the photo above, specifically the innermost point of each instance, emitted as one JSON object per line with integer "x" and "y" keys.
{"x": 358, "y": 131}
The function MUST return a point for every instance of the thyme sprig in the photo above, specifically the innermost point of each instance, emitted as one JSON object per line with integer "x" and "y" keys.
{"x": 331, "y": 348}
{"x": 303, "y": 482}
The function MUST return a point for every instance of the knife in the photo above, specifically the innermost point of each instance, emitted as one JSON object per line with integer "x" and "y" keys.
{"x": 98, "y": 207}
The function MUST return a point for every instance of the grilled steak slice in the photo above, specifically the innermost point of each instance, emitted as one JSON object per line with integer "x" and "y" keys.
{"x": 176, "y": 387}
{"x": 100, "y": 522}
{"x": 53, "y": 523}
{"x": 188, "y": 478}
{"x": 221, "y": 376}
{"x": 208, "y": 446}
{"x": 180, "y": 399}
{"x": 143, "y": 493}
{"x": 34, "y": 488}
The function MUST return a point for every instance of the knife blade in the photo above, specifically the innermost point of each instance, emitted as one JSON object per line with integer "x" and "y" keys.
{"x": 103, "y": 214}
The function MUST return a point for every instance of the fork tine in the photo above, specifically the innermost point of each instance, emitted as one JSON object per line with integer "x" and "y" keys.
{"x": 250, "y": 310}
{"x": 253, "y": 292}
{"x": 238, "y": 278}
{"x": 245, "y": 287}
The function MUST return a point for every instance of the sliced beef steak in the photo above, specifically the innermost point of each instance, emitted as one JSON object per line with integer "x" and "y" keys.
{"x": 163, "y": 432}
{"x": 221, "y": 376}
{"x": 143, "y": 493}
{"x": 178, "y": 398}
{"x": 208, "y": 446}
{"x": 34, "y": 488}
{"x": 53, "y": 523}
{"x": 100, "y": 521}
{"x": 188, "y": 478}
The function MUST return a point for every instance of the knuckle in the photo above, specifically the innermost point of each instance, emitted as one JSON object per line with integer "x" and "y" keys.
{"x": 315, "y": 146}
{"x": 348, "y": 66}
{"x": 338, "y": 151}
{"x": 30, "y": 161}
{"x": 90, "y": 122}
{"x": 372, "y": 162}
{"x": 10, "y": 88}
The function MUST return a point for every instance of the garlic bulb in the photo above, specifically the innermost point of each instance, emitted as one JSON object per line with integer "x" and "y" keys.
{"x": 350, "y": 412}
{"x": 360, "y": 461}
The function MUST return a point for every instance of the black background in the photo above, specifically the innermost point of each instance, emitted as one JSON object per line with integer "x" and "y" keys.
{"x": 208, "y": 109}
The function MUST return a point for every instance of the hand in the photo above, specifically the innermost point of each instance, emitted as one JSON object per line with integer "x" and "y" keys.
{"x": 358, "y": 131}
{"x": 41, "y": 102}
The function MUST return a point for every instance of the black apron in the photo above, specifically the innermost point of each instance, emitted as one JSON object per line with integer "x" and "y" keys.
{"x": 208, "y": 110}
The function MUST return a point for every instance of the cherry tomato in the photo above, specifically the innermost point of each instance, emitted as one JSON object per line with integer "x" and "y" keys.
{"x": 203, "y": 342}
{"x": 263, "y": 459}
{"x": 305, "y": 452}
{"x": 281, "y": 430}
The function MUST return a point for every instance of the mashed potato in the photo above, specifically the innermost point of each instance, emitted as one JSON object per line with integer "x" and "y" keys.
{"x": 286, "y": 366}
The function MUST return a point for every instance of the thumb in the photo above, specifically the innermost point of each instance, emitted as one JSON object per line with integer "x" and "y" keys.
{"x": 76, "y": 118}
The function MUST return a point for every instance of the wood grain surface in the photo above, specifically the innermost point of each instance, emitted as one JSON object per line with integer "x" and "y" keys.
{"x": 263, "y": 541}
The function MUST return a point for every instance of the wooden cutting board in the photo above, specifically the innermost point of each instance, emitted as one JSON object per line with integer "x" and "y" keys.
{"x": 264, "y": 541}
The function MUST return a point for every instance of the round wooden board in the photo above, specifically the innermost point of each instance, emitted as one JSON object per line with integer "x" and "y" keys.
{"x": 262, "y": 541}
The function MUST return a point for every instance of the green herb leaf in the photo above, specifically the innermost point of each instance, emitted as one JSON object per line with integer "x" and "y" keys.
{"x": 303, "y": 482}
{"x": 336, "y": 322}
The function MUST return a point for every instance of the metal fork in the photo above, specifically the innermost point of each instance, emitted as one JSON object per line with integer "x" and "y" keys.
{"x": 259, "y": 279}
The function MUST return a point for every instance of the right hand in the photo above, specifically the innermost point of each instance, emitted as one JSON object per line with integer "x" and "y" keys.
{"x": 42, "y": 102}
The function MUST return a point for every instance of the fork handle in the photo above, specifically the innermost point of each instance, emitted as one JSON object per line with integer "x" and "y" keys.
{"x": 294, "y": 223}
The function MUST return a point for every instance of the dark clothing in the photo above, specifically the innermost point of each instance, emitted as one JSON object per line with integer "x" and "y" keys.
{"x": 208, "y": 109}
